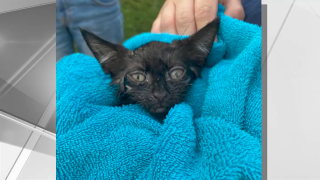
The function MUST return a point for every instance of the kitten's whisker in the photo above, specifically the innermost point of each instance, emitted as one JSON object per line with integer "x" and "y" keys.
{"x": 128, "y": 87}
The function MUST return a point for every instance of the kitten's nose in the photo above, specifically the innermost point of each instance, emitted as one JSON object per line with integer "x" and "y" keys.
{"x": 160, "y": 95}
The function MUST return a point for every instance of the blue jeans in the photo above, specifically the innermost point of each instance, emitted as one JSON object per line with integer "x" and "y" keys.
{"x": 101, "y": 17}
{"x": 252, "y": 10}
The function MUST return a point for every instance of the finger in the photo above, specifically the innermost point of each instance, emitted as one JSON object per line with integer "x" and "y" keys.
{"x": 167, "y": 21}
{"x": 205, "y": 12}
{"x": 156, "y": 24}
{"x": 185, "y": 22}
{"x": 234, "y": 9}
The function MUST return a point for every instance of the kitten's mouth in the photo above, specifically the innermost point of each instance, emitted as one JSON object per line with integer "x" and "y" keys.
{"x": 160, "y": 110}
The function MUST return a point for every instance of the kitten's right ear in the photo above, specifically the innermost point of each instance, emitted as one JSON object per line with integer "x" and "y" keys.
{"x": 109, "y": 55}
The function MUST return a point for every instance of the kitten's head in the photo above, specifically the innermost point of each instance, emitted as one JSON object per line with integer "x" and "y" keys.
{"x": 157, "y": 75}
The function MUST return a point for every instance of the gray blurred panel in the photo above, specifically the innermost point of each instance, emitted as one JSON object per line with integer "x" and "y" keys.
{"x": 40, "y": 82}
{"x": 51, "y": 126}
{"x": 41, "y": 164}
{"x": 14, "y": 55}
{"x": 23, "y": 33}
{"x": 27, "y": 58}
{"x": 10, "y": 5}
{"x": 27, "y": 90}
{"x": 12, "y": 140}
{"x": 22, "y": 106}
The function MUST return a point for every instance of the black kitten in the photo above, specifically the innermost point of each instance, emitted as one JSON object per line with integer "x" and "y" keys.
{"x": 157, "y": 75}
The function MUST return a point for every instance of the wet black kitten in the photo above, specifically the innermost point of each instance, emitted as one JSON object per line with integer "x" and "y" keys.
{"x": 157, "y": 75}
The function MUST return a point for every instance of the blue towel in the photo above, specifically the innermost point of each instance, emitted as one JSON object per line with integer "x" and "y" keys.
{"x": 214, "y": 134}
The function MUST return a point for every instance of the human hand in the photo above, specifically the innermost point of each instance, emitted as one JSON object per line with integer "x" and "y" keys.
{"x": 185, "y": 17}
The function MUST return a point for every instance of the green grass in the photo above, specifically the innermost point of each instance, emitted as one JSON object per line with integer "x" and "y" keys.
{"x": 139, "y": 15}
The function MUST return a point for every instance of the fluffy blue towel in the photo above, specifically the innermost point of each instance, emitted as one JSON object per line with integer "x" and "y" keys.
{"x": 214, "y": 134}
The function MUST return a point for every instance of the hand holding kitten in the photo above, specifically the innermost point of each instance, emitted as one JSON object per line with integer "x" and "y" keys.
{"x": 189, "y": 16}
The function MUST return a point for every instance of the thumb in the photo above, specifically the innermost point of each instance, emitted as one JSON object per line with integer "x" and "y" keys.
{"x": 234, "y": 9}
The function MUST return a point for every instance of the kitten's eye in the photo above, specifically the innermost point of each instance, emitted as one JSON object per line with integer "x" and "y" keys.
{"x": 176, "y": 73}
{"x": 138, "y": 77}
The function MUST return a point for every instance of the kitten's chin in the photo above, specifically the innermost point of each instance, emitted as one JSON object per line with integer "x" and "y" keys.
{"x": 159, "y": 113}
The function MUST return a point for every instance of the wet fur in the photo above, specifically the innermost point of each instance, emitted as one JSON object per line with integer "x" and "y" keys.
{"x": 155, "y": 59}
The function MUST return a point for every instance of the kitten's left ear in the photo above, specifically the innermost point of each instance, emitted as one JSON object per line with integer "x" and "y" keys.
{"x": 202, "y": 40}
{"x": 198, "y": 46}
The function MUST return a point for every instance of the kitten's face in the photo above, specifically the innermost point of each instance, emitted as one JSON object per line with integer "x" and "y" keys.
{"x": 157, "y": 75}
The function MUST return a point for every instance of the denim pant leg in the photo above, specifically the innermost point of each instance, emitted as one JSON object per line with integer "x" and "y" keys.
{"x": 252, "y": 9}
{"x": 64, "y": 41}
{"x": 101, "y": 17}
